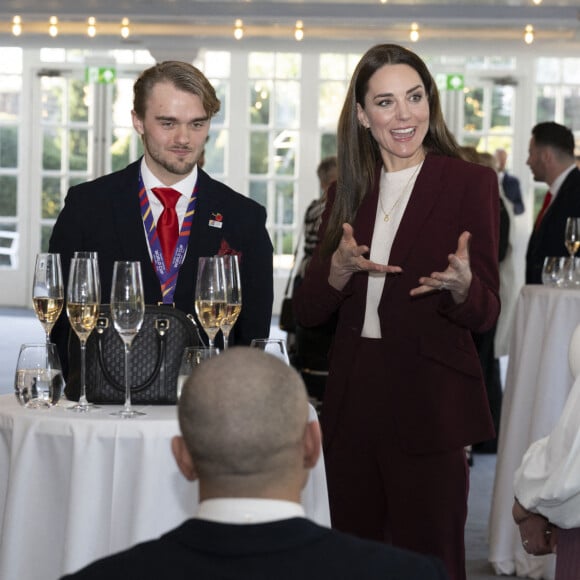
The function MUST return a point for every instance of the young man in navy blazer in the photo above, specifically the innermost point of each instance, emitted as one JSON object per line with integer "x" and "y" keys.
{"x": 117, "y": 215}
{"x": 246, "y": 435}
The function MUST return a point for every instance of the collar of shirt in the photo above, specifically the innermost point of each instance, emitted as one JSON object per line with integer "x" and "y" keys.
{"x": 185, "y": 187}
{"x": 247, "y": 510}
{"x": 555, "y": 187}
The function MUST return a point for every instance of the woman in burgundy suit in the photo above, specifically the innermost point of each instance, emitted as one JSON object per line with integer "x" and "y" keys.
{"x": 405, "y": 393}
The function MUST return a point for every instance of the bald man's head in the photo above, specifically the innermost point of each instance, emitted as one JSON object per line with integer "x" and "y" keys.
{"x": 243, "y": 415}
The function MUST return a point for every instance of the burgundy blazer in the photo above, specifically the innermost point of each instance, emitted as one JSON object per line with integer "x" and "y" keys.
{"x": 439, "y": 396}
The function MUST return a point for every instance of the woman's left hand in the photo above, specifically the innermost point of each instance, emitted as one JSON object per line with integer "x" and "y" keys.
{"x": 456, "y": 278}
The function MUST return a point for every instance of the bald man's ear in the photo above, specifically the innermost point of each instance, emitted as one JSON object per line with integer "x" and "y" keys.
{"x": 183, "y": 458}
{"x": 312, "y": 444}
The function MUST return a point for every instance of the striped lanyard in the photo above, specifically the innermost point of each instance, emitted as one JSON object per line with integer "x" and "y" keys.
{"x": 167, "y": 277}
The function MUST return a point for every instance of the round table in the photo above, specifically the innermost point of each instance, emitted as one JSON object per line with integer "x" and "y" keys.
{"x": 76, "y": 487}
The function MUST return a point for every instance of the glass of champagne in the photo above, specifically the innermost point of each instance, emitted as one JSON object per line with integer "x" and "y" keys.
{"x": 233, "y": 295}
{"x": 82, "y": 306}
{"x": 210, "y": 295}
{"x": 127, "y": 312}
{"x": 95, "y": 257}
{"x": 572, "y": 241}
{"x": 47, "y": 291}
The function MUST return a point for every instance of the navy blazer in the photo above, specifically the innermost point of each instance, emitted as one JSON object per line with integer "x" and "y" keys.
{"x": 283, "y": 550}
{"x": 548, "y": 239}
{"x": 513, "y": 192}
{"x": 439, "y": 396}
{"x": 104, "y": 216}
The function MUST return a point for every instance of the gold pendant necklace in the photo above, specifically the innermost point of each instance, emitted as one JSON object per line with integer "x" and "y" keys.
{"x": 387, "y": 215}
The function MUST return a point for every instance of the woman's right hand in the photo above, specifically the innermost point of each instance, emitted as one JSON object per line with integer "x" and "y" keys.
{"x": 349, "y": 258}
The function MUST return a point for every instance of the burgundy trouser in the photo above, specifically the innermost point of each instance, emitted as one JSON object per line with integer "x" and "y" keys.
{"x": 378, "y": 491}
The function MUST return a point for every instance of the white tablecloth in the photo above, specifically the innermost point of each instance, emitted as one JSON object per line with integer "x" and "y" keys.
{"x": 76, "y": 487}
{"x": 537, "y": 384}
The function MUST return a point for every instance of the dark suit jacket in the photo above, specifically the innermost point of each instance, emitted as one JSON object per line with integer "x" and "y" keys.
{"x": 439, "y": 399}
{"x": 104, "y": 216}
{"x": 548, "y": 239}
{"x": 283, "y": 550}
{"x": 512, "y": 190}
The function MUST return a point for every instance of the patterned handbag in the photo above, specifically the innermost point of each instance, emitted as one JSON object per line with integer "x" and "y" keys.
{"x": 155, "y": 359}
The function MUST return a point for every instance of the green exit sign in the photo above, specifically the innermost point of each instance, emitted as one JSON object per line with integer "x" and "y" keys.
{"x": 450, "y": 82}
{"x": 102, "y": 75}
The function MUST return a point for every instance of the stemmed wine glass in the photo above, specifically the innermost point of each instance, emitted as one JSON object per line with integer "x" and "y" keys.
{"x": 82, "y": 306}
{"x": 233, "y": 295}
{"x": 47, "y": 291}
{"x": 274, "y": 346}
{"x": 127, "y": 312}
{"x": 210, "y": 295}
{"x": 95, "y": 257}
{"x": 572, "y": 241}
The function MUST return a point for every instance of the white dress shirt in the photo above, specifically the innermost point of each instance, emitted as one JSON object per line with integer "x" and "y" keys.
{"x": 247, "y": 510}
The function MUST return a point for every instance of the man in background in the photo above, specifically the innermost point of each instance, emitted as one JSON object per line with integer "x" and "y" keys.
{"x": 509, "y": 183}
{"x": 164, "y": 211}
{"x": 245, "y": 434}
{"x": 551, "y": 160}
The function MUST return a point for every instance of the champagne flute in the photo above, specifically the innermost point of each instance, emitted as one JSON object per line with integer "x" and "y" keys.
{"x": 210, "y": 295}
{"x": 127, "y": 312}
{"x": 274, "y": 346}
{"x": 82, "y": 307}
{"x": 95, "y": 257}
{"x": 47, "y": 291}
{"x": 233, "y": 295}
{"x": 572, "y": 241}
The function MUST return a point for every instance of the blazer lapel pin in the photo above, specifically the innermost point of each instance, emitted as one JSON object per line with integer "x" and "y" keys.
{"x": 216, "y": 220}
{"x": 226, "y": 250}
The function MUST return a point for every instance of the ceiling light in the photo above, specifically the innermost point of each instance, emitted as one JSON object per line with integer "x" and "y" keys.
{"x": 414, "y": 33}
{"x": 238, "y": 29}
{"x": 92, "y": 26}
{"x": 53, "y": 26}
{"x": 125, "y": 31}
{"x": 537, "y": 2}
{"x": 17, "y": 26}
{"x": 529, "y": 34}
{"x": 299, "y": 30}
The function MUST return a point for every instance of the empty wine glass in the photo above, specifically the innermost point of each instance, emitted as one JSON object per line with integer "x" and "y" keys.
{"x": 551, "y": 272}
{"x": 127, "y": 312}
{"x": 210, "y": 295}
{"x": 233, "y": 295}
{"x": 38, "y": 381}
{"x": 47, "y": 291}
{"x": 192, "y": 357}
{"x": 273, "y": 346}
{"x": 82, "y": 306}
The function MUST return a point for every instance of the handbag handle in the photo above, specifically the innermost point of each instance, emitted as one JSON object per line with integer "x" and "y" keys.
{"x": 161, "y": 326}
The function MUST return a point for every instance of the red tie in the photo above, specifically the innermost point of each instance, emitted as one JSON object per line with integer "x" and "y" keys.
{"x": 167, "y": 224}
{"x": 545, "y": 205}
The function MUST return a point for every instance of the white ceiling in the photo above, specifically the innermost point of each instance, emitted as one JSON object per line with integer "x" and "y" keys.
{"x": 498, "y": 24}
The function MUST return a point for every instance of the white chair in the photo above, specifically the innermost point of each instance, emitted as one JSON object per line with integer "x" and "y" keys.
{"x": 10, "y": 249}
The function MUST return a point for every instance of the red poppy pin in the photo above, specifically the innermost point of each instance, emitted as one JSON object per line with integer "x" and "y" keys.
{"x": 216, "y": 220}
{"x": 226, "y": 250}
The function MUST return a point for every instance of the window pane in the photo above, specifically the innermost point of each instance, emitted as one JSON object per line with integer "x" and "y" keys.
{"x": 473, "y": 109}
{"x": 572, "y": 108}
{"x": 78, "y": 147}
{"x": 285, "y": 145}
{"x": 545, "y": 104}
{"x": 8, "y": 199}
{"x": 332, "y": 66}
{"x": 77, "y": 108}
{"x": 285, "y": 203}
{"x": 10, "y": 88}
{"x": 45, "y": 233}
{"x": 215, "y": 151}
{"x": 502, "y": 105}
{"x": 548, "y": 70}
{"x": 259, "y": 192}
{"x": 8, "y": 241}
{"x": 287, "y": 109}
{"x": 52, "y": 98}
{"x": 571, "y": 70}
{"x": 51, "y": 149}
{"x": 261, "y": 64}
{"x": 330, "y": 103}
{"x": 11, "y": 59}
{"x": 121, "y": 148}
{"x": 288, "y": 66}
{"x": 9, "y": 147}
{"x": 50, "y": 197}
{"x": 260, "y": 103}
{"x": 258, "y": 153}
